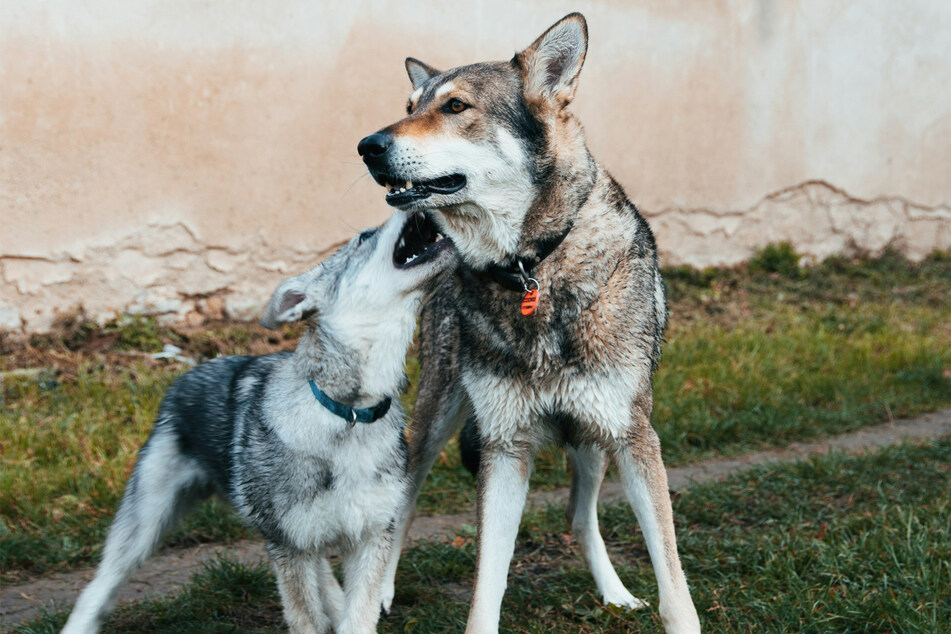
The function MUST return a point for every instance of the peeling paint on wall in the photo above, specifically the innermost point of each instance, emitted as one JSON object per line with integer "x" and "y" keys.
{"x": 818, "y": 219}
{"x": 159, "y": 270}
{"x": 165, "y": 270}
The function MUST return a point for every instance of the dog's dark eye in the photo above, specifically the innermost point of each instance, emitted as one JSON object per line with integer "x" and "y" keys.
{"x": 454, "y": 106}
{"x": 366, "y": 235}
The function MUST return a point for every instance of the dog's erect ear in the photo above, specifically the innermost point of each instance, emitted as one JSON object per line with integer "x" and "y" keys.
{"x": 550, "y": 66}
{"x": 292, "y": 301}
{"x": 419, "y": 72}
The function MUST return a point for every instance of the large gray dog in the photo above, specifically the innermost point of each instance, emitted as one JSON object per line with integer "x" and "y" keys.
{"x": 552, "y": 327}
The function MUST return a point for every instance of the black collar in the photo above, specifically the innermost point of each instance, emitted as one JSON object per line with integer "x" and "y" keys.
{"x": 514, "y": 275}
{"x": 352, "y": 416}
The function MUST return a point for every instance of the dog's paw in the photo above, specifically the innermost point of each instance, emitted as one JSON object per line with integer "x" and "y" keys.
{"x": 624, "y": 600}
{"x": 386, "y": 598}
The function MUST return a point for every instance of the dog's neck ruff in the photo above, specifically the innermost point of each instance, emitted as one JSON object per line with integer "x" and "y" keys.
{"x": 352, "y": 416}
{"x": 514, "y": 276}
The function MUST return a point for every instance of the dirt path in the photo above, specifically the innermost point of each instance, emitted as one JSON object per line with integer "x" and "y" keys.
{"x": 165, "y": 573}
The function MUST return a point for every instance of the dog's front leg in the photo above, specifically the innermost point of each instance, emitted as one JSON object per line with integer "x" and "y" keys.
{"x": 442, "y": 420}
{"x": 299, "y": 586}
{"x": 440, "y": 410}
{"x": 645, "y": 484}
{"x": 503, "y": 486}
{"x": 362, "y": 576}
{"x": 330, "y": 594}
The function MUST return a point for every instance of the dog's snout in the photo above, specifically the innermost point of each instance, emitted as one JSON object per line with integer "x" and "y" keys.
{"x": 374, "y": 145}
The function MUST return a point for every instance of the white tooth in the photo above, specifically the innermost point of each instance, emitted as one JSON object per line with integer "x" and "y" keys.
{"x": 402, "y": 190}
{"x": 409, "y": 184}
{"x": 389, "y": 188}
{"x": 402, "y": 242}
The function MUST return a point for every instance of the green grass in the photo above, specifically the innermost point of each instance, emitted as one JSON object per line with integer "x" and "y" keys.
{"x": 777, "y": 258}
{"x": 68, "y": 448}
{"x": 753, "y": 358}
{"x": 756, "y": 359}
{"x": 224, "y": 597}
{"x": 843, "y": 544}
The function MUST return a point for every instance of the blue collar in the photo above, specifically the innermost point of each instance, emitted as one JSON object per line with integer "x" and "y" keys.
{"x": 352, "y": 416}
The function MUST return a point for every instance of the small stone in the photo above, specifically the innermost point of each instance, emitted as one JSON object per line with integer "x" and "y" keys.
{"x": 194, "y": 319}
{"x": 213, "y": 307}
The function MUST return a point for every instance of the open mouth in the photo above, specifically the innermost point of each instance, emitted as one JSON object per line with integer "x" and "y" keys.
{"x": 419, "y": 242}
{"x": 404, "y": 191}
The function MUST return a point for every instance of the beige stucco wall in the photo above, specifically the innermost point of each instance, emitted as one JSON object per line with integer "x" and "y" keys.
{"x": 155, "y": 155}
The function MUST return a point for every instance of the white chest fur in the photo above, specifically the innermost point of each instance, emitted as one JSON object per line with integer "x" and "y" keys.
{"x": 328, "y": 483}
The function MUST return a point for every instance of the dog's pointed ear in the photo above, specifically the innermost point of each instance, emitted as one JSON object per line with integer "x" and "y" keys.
{"x": 293, "y": 300}
{"x": 419, "y": 72}
{"x": 550, "y": 66}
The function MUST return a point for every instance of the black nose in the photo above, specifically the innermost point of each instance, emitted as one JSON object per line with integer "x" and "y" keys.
{"x": 374, "y": 145}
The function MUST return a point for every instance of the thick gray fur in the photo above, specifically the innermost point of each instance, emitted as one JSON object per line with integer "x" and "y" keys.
{"x": 250, "y": 430}
{"x": 578, "y": 371}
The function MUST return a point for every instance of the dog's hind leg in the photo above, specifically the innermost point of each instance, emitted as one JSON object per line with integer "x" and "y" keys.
{"x": 425, "y": 445}
{"x": 588, "y": 463}
{"x": 298, "y": 581}
{"x": 164, "y": 484}
{"x": 645, "y": 484}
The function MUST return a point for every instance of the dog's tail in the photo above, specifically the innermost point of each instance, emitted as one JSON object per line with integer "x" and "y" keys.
{"x": 470, "y": 446}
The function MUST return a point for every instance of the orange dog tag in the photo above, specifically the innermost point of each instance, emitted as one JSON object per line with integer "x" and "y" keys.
{"x": 530, "y": 302}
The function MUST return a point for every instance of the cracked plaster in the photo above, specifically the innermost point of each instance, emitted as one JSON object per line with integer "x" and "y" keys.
{"x": 818, "y": 219}
{"x": 166, "y": 270}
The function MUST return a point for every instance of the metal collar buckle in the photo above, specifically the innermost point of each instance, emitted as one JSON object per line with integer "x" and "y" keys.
{"x": 526, "y": 278}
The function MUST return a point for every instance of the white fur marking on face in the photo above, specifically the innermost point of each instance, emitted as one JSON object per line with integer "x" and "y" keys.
{"x": 444, "y": 90}
{"x": 485, "y": 225}
{"x": 379, "y": 299}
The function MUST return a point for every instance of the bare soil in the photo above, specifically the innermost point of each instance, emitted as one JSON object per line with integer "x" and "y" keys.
{"x": 166, "y": 572}
{"x": 73, "y": 341}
